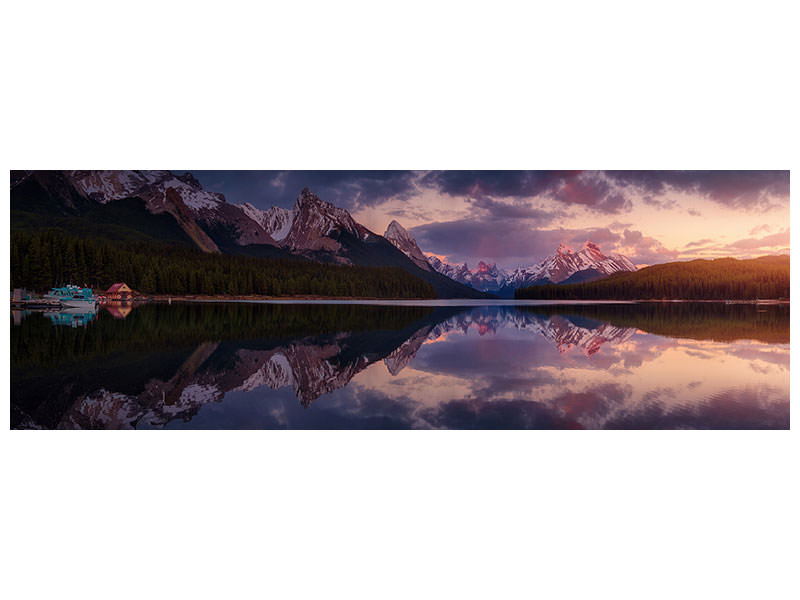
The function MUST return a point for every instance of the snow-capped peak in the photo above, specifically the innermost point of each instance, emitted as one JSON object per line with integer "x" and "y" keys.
{"x": 560, "y": 266}
{"x": 565, "y": 262}
{"x": 276, "y": 221}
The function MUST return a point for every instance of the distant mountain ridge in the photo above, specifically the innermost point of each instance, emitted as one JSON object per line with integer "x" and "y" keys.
{"x": 565, "y": 265}
{"x": 486, "y": 277}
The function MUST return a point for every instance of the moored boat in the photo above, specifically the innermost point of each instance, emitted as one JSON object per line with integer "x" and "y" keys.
{"x": 73, "y": 296}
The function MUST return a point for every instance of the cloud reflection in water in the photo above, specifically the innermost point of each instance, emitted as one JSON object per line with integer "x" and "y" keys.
{"x": 486, "y": 367}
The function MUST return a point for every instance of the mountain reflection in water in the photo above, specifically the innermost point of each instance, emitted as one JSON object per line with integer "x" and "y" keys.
{"x": 355, "y": 366}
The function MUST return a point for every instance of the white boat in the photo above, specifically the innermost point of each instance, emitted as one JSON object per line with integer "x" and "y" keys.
{"x": 73, "y": 296}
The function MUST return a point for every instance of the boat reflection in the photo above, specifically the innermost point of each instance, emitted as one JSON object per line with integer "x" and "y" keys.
{"x": 72, "y": 317}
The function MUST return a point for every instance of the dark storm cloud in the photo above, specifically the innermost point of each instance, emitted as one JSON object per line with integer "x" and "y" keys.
{"x": 497, "y": 184}
{"x": 608, "y": 191}
{"x": 517, "y": 209}
{"x": 592, "y": 191}
{"x": 753, "y": 190}
{"x": 348, "y": 189}
{"x": 601, "y": 191}
{"x": 590, "y": 188}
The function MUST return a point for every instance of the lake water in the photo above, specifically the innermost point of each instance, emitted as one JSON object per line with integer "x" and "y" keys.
{"x": 443, "y": 365}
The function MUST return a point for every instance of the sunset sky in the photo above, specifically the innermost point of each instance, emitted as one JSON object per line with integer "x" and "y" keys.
{"x": 517, "y": 218}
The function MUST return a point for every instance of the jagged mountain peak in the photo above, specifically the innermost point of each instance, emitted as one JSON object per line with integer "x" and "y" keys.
{"x": 405, "y": 242}
{"x": 306, "y": 196}
{"x": 308, "y": 200}
{"x": 395, "y": 231}
{"x": 190, "y": 180}
{"x": 314, "y": 220}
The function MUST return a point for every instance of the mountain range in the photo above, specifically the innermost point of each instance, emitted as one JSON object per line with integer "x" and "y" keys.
{"x": 565, "y": 265}
{"x": 176, "y": 208}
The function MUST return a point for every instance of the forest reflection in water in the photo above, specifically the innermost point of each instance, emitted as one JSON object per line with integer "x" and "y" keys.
{"x": 358, "y": 366}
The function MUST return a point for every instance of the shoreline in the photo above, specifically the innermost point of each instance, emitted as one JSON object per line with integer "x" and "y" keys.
{"x": 477, "y": 301}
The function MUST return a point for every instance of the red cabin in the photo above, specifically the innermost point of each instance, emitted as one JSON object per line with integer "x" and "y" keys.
{"x": 119, "y": 292}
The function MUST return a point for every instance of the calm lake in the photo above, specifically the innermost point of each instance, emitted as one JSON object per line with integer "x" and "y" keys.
{"x": 443, "y": 365}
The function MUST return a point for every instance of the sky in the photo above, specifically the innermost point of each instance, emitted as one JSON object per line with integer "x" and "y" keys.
{"x": 517, "y": 218}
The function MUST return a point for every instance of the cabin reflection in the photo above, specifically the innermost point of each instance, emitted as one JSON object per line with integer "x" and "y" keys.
{"x": 119, "y": 311}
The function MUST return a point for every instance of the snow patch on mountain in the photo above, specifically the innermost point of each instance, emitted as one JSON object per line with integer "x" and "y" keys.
{"x": 106, "y": 186}
{"x": 565, "y": 262}
{"x": 487, "y": 277}
{"x": 560, "y": 266}
{"x": 276, "y": 221}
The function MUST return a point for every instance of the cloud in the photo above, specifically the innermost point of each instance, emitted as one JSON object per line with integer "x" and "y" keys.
{"x": 749, "y": 190}
{"x": 589, "y": 189}
{"x": 642, "y": 249}
{"x": 694, "y": 212}
{"x": 496, "y": 184}
{"x": 593, "y": 191}
{"x": 660, "y": 202}
{"x": 468, "y": 239}
{"x": 702, "y": 242}
{"x": 617, "y": 226}
{"x": 519, "y": 244}
{"x": 768, "y": 241}
{"x": 348, "y": 189}
{"x": 608, "y": 192}
{"x": 758, "y": 229}
{"x": 516, "y": 209}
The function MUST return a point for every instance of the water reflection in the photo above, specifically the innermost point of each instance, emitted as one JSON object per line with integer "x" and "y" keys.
{"x": 352, "y": 366}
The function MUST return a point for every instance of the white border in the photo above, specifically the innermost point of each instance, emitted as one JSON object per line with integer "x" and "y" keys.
{"x": 343, "y": 85}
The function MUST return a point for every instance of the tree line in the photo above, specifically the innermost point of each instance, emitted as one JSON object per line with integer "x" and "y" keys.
{"x": 46, "y": 258}
{"x": 694, "y": 320}
{"x": 720, "y": 279}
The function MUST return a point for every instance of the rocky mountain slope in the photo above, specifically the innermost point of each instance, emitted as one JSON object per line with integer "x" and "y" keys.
{"x": 406, "y": 243}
